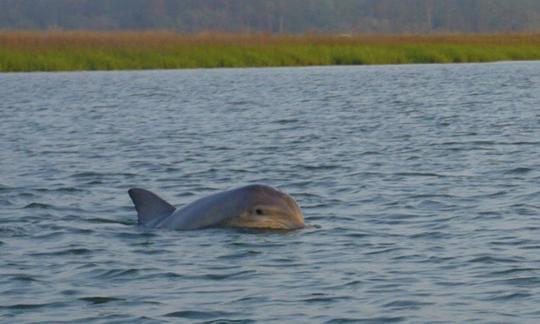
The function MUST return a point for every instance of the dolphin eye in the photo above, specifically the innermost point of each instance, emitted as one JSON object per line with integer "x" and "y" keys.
{"x": 258, "y": 211}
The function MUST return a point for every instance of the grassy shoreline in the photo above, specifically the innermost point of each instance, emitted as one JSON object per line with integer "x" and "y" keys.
{"x": 80, "y": 50}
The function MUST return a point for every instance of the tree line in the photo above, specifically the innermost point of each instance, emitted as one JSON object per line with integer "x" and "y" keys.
{"x": 276, "y": 16}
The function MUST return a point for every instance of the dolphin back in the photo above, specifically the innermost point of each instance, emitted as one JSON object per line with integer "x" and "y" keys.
{"x": 205, "y": 212}
{"x": 149, "y": 206}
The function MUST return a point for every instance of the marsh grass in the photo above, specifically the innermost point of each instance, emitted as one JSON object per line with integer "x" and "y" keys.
{"x": 67, "y": 51}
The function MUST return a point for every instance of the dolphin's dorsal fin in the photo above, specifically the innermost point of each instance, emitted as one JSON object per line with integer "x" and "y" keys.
{"x": 149, "y": 206}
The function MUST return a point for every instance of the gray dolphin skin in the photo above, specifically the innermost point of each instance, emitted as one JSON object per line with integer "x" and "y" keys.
{"x": 253, "y": 206}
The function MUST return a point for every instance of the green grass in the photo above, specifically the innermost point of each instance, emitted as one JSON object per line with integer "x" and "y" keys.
{"x": 68, "y": 51}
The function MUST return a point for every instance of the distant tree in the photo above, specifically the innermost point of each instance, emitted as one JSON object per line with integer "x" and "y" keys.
{"x": 276, "y": 16}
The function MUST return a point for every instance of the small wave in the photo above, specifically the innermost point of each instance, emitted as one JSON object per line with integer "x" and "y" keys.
{"x": 229, "y": 321}
{"x": 492, "y": 260}
{"x": 496, "y": 194}
{"x": 56, "y": 231}
{"x": 38, "y": 206}
{"x": 381, "y": 319}
{"x": 117, "y": 273}
{"x": 92, "y": 174}
{"x": 408, "y": 304}
{"x": 450, "y": 143}
{"x": 309, "y": 195}
{"x": 431, "y": 195}
{"x": 30, "y": 306}
{"x": 61, "y": 189}
{"x": 357, "y": 235}
{"x": 389, "y": 250}
{"x": 239, "y": 255}
{"x": 100, "y": 300}
{"x": 51, "y": 152}
{"x": 531, "y": 247}
{"x": 520, "y": 281}
{"x": 170, "y": 275}
{"x": 78, "y": 251}
{"x": 286, "y": 121}
{"x": 4, "y": 188}
{"x": 141, "y": 234}
{"x": 241, "y": 102}
{"x": 419, "y": 174}
{"x": 531, "y": 196}
{"x": 402, "y": 216}
{"x": 70, "y": 292}
{"x": 99, "y": 220}
{"x": 198, "y": 315}
{"x": 436, "y": 235}
{"x": 94, "y": 182}
{"x": 87, "y": 174}
{"x": 14, "y": 231}
{"x": 352, "y": 283}
{"x": 366, "y": 153}
{"x": 520, "y": 170}
{"x": 22, "y": 277}
{"x": 326, "y": 299}
{"x": 512, "y": 271}
{"x": 250, "y": 299}
{"x": 215, "y": 276}
{"x": 320, "y": 167}
{"x": 152, "y": 276}
{"x": 510, "y": 241}
{"x": 509, "y": 297}
{"x": 432, "y": 204}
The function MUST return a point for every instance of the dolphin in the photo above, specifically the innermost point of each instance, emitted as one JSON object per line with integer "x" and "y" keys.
{"x": 252, "y": 206}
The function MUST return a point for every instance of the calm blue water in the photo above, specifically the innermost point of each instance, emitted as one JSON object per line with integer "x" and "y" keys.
{"x": 422, "y": 183}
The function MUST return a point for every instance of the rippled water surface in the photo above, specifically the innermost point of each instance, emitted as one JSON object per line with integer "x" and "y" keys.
{"x": 422, "y": 184}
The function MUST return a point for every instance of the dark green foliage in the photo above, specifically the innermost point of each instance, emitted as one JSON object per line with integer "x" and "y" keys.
{"x": 287, "y": 16}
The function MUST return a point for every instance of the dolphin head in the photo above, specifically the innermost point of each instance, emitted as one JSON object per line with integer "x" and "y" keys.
{"x": 264, "y": 207}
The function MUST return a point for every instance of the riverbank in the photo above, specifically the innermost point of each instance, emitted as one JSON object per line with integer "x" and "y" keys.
{"x": 72, "y": 51}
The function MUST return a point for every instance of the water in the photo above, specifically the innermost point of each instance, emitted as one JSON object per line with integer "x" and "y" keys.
{"x": 422, "y": 184}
